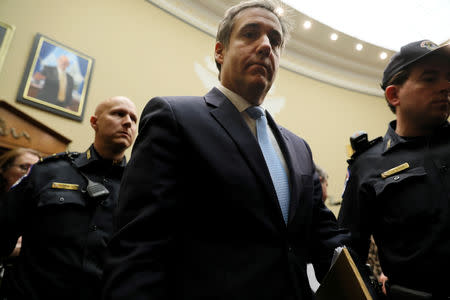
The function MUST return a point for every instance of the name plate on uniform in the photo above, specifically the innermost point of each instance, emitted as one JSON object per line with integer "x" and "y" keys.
{"x": 65, "y": 186}
{"x": 395, "y": 170}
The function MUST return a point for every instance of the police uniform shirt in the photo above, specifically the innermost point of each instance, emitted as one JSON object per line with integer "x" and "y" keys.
{"x": 65, "y": 231}
{"x": 399, "y": 190}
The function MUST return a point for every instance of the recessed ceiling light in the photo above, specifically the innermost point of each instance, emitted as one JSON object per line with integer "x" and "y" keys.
{"x": 359, "y": 47}
{"x": 432, "y": 15}
{"x": 383, "y": 55}
{"x": 307, "y": 25}
{"x": 333, "y": 36}
{"x": 279, "y": 11}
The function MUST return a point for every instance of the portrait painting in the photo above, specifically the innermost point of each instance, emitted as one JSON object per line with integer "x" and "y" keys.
{"x": 56, "y": 79}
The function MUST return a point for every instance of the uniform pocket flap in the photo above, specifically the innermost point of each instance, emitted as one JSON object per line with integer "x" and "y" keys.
{"x": 395, "y": 179}
{"x": 61, "y": 197}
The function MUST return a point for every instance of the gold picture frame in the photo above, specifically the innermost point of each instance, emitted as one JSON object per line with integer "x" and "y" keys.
{"x": 56, "y": 78}
{"x": 6, "y": 35}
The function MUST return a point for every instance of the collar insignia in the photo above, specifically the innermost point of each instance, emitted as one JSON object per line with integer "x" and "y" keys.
{"x": 388, "y": 145}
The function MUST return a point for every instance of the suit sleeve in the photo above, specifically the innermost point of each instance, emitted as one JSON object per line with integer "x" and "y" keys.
{"x": 138, "y": 263}
{"x": 321, "y": 231}
{"x": 326, "y": 234}
{"x": 356, "y": 214}
{"x": 46, "y": 71}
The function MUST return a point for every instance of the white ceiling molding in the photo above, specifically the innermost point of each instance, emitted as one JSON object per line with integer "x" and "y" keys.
{"x": 309, "y": 52}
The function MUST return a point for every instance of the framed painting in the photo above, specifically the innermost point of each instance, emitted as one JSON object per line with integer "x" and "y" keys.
{"x": 56, "y": 79}
{"x": 6, "y": 34}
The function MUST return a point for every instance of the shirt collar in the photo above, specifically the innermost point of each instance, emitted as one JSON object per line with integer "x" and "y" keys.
{"x": 60, "y": 71}
{"x": 239, "y": 102}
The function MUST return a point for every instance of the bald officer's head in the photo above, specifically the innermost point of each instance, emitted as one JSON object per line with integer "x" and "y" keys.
{"x": 115, "y": 126}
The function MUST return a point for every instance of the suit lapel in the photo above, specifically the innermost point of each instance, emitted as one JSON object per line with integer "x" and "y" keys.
{"x": 231, "y": 120}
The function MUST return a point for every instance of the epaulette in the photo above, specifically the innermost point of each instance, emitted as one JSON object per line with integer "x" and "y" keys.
{"x": 60, "y": 155}
{"x": 362, "y": 146}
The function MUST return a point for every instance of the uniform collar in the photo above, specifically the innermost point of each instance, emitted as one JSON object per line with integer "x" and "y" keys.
{"x": 393, "y": 140}
{"x": 91, "y": 156}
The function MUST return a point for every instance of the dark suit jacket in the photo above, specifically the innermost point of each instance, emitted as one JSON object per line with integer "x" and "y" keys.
{"x": 49, "y": 91}
{"x": 198, "y": 215}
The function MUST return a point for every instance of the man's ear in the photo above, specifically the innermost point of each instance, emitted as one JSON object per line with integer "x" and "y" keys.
{"x": 219, "y": 53}
{"x": 392, "y": 95}
{"x": 94, "y": 122}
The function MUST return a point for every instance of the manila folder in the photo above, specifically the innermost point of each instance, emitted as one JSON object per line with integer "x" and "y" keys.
{"x": 343, "y": 281}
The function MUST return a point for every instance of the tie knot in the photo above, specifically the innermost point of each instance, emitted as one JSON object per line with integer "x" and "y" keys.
{"x": 255, "y": 112}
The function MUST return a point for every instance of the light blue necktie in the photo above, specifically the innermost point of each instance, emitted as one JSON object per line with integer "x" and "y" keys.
{"x": 277, "y": 172}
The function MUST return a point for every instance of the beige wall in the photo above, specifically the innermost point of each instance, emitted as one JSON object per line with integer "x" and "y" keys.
{"x": 140, "y": 51}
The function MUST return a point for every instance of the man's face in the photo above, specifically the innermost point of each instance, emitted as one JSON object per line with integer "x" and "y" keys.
{"x": 115, "y": 125}
{"x": 63, "y": 62}
{"x": 424, "y": 97}
{"x": 250, "y": 61}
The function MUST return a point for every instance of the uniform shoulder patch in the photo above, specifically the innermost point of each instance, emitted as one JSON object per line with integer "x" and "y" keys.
{"x": 61, "y": 155}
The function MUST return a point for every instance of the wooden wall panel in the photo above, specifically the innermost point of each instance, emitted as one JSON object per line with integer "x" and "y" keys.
{"x": 18, "y": 129}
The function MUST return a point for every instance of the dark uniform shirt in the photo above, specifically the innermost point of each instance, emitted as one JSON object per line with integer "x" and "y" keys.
{"x": 65, "y": 231}
{"x": 407, "y": 211}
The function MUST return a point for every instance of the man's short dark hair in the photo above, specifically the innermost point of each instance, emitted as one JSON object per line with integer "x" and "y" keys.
{"x": 227, "y": 23}
{"x": 399, "y": 78}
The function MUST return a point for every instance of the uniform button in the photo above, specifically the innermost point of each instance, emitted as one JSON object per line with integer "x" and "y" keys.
{"x": 396, "y": 177}
{"x": 94, "y": 227}
{"x": 61, "y": 199}
{"x": 290, "y": 249}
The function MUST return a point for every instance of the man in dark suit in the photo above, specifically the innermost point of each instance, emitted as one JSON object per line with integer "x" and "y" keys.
{"x": 201, "y": 215}
{"x": 58, "y": 84}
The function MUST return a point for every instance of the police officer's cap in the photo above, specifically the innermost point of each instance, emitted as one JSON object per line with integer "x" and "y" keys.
{"x": 411, "y": 53}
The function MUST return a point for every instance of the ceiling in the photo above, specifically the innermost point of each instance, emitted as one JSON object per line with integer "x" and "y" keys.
{"x": 309, "y": 52}
{"x": 406, "y": 20}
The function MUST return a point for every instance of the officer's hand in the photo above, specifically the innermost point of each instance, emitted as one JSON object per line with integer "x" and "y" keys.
{"x": 382, "y": 279}
{"x": 16, "y": 250}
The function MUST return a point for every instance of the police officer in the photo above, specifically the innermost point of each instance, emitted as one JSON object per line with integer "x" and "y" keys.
{"x": 64, "y": 211}
{"x": 399, "y": 188}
